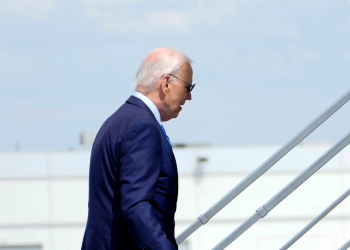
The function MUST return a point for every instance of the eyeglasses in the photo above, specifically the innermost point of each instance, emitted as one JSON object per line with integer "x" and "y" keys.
{"x": 189, "y": 86}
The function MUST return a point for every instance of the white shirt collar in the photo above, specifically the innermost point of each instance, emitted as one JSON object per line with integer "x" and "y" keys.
{"x": 149, "y": 104}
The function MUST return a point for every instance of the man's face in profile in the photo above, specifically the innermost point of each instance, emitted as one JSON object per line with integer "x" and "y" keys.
{"x": 178, "y": 92}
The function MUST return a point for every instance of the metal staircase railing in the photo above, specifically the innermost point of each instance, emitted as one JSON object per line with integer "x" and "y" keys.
{"x": 316, "y": 220}
{"x": 287, "y": 190}
{"x": 262, "y": 211}
{"x": 345, "y": 246}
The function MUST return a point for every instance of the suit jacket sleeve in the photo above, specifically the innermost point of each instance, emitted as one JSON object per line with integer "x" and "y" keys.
{"x": 140, "y": 166}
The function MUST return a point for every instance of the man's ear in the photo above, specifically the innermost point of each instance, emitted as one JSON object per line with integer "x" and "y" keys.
{"x": 165, "y": 83}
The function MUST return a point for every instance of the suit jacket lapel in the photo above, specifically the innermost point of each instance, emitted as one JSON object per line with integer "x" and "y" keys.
{"x": 138, "y": 102}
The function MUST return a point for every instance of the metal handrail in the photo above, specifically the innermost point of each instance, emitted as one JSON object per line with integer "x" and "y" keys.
{"x": 345, "y": 246}
{"x": 287, "y": 190}
{"x": 246, "y": 182}
{"x": 316, "y": 220}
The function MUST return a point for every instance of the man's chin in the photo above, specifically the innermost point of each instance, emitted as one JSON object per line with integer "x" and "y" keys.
{"x": 176, "y": 114}
{"x": 172, "y": 115}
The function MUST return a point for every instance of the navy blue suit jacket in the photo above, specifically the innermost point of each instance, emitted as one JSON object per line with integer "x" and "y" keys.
{"x": 133, "y": 183}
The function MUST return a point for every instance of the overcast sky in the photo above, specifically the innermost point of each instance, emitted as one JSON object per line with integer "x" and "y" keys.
{"x": 264, "y": 69}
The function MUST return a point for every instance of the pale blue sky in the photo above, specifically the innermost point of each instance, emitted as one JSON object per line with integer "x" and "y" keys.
{"x": 264, "y": 69}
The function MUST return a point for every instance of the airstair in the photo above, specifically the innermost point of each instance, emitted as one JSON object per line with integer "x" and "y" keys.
{"x": 263, "y": 211}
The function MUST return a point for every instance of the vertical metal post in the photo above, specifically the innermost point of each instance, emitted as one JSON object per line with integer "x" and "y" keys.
{"x": 316, "y": 220}
{"x": 287, "y": 190}
{"x": 246, "y": 182}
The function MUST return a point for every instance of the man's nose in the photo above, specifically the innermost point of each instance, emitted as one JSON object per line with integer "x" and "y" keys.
{"x": 189, "y": 97}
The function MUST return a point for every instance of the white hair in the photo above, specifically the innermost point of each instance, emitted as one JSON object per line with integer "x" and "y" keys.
{"x": 157, "y": 63}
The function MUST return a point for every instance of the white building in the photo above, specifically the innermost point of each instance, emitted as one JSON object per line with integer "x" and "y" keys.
{"x": 44, "y": 197}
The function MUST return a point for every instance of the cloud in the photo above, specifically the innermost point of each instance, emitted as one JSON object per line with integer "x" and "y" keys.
{"x": 129, "y": 16}
{"x": 260, "y": 61}
{"x": 12, "y": 65}
{"x": 163, "y": 16}
{"x": 303, "y": 55}
{"x": 346, "y": 25}
{"x": 30, "y": 112}
{"x": 36, "y": 9}
{"x": 150, "y": 22}
{"x": 347, "y": 54}
{"x": 264, "y": 61}
{"x": 134, "y": 16}
{"x": 265, "y": 27}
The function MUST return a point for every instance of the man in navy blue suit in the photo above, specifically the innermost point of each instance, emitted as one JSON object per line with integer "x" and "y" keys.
{"x": 133, "y": 181}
